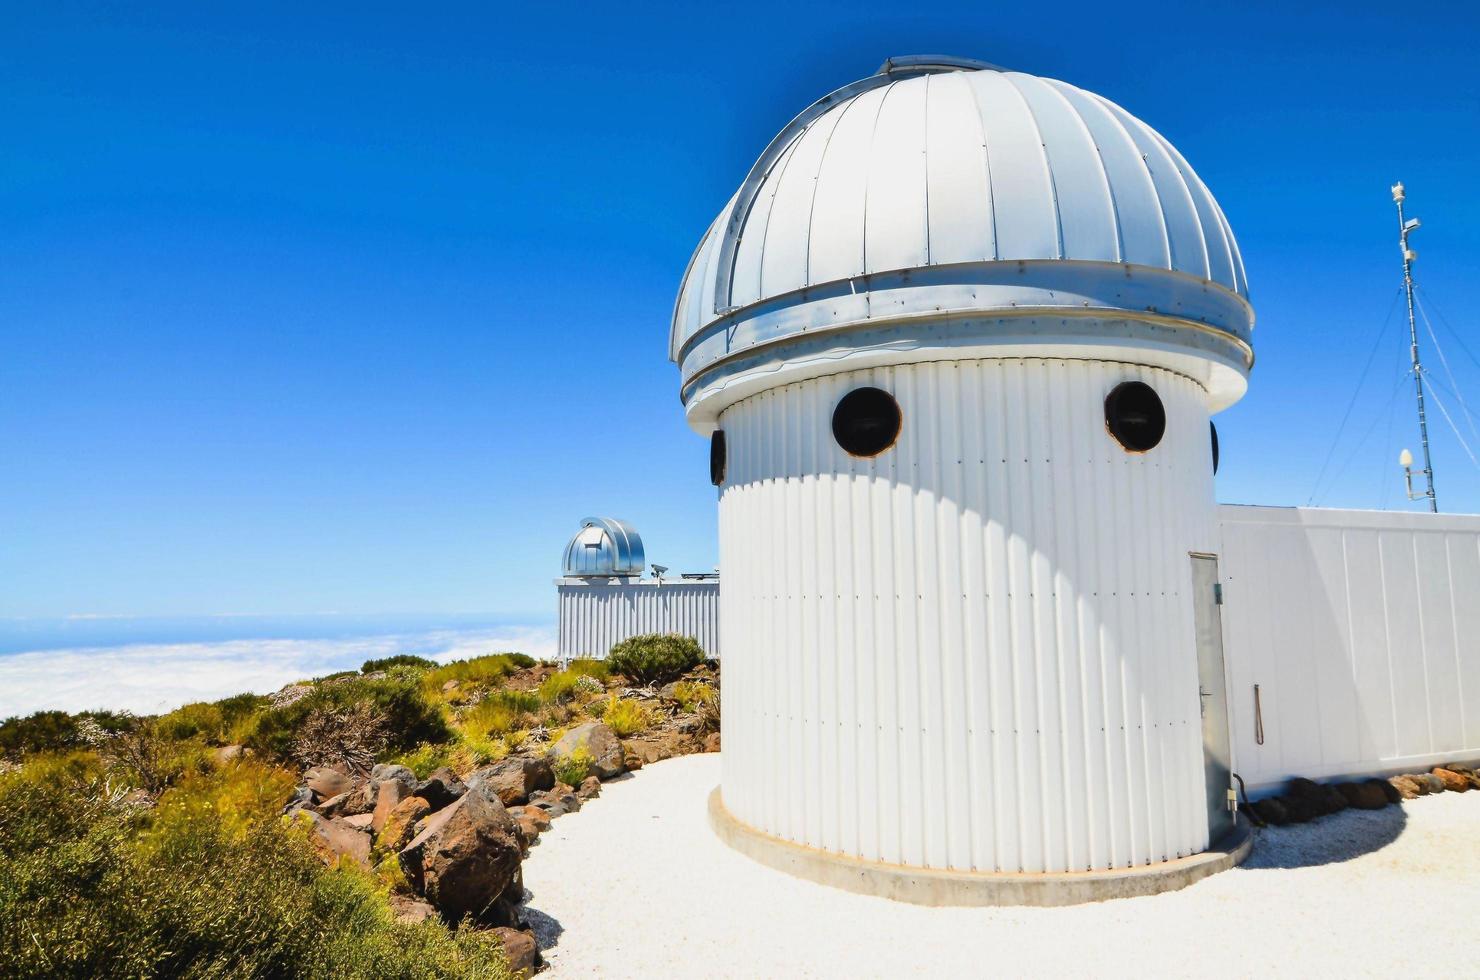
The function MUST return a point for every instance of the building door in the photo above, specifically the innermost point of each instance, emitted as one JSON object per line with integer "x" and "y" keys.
{"x": 1217, "y": 759}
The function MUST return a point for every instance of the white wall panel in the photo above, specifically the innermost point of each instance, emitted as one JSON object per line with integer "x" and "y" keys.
{"x": 974, "y": 651}
{"x": 596, "y": 614}
{"x": 1360, "y": 629}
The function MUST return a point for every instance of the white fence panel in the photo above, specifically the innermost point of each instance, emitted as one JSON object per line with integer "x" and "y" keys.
{"x": 1362, "y": 631}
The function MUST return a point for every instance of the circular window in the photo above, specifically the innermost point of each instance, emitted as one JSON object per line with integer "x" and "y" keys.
{"x": 866, "y": 421}
{"x": 1135, "y": 417}
{"x": 717, "y": 457}
{"x": 1214, "y": 430}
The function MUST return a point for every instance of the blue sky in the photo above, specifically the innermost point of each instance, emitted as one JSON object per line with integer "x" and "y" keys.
{"x": 361, "y": 309}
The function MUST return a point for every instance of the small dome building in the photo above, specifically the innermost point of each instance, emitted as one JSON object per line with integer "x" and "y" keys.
{"x": 604, "y": 547}
{"x": 957, "y": 340}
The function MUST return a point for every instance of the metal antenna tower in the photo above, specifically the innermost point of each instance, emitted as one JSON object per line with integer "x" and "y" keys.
{"x": 1405, "y": 227}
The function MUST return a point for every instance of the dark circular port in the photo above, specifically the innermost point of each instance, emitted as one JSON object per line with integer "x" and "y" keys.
{"x": 1135, "y": 416}
{"x": 866, "y": 421}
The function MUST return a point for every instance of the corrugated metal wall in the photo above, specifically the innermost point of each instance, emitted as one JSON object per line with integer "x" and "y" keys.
{"x": 595, "y": 615}
{"x": 974, "y": 651}
{"x": 1362, "y": 630}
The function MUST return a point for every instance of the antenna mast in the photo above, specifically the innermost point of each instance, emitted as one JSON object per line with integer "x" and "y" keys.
{"x": 1404, "y": 228}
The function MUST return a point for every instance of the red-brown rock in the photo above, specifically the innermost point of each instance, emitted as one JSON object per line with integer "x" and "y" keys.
{"x": 607, "y": 757}
{"x": 336, "y": 840}
{"x": 465, "y": 861}
{"x": 1407, "y": 787}
{"x": 399, "y": 825}
{"x": 1452, "y": 780}
{"x": 520, "y": 949}
{"x": 515, "y": 778}
{"x": 327, "y": 783}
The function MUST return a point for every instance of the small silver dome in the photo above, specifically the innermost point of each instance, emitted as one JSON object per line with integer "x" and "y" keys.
{"x": 604, "y": 548}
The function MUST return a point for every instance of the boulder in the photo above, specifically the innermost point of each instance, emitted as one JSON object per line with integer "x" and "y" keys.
{"x": 336, "y": 840}
{"x": 1363, "y": 796}
{"x": 514, "y": 778}
{"x": 1433, "y": 782}
{"x": 399, "y": 826}
{"x": 465, "y": 861}
{"x": 411, "y": 910}
{"x": 533, "y": 817}
{"x": 327, "y": 782}
{"x": 386, "y": 772}
{"x": 559, "y": 800}
{"x": 520, "y": 949}
{"x": 346, "y": 804}
{"x": 302, "y": 797}
{"x": 389, "y": 795}
{"x": 599, "y": 740}
{"x": 1406, "y": 787}
{"x": 360, "y": 821}
{"x": 441, "y": 788}
{"x": 226, "y": 755}
{"x": 1388, "y": 790}
{"x": 1298, "y": 809}
{"x": 589, "y": 789}
{"x": 1453, "y": 781}
{"x": 1272, "y": 811}
{"x": 1317, "y": 798}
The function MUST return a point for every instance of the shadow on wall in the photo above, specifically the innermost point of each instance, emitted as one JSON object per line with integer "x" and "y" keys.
{"x": 1328, "y": 840}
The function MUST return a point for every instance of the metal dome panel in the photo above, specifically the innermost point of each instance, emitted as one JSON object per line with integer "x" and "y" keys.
{"x": 954, "y": 168}
{"x": 604, "y": 548}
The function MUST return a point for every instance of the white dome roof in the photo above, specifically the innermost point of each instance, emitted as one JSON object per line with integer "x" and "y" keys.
{"x": 970, "y": 172}
{"x": 604, "y": 547}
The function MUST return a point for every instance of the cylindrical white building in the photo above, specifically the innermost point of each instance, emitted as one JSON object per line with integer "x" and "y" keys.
{"x": 958, "y": 337}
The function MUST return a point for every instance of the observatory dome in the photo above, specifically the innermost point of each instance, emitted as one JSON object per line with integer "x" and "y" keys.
{"x": 945, "y": 208}
{"x": 604, "y": 548}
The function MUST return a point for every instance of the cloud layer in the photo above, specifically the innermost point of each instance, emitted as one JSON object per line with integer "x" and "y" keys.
{"x": 151, "y": 678}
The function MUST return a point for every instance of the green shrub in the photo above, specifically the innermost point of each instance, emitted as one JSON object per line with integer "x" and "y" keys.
{"x": 409, "y": 716}
{"x": 477, "y": 672}
{"x": 141, "y": 756}
{"x": 399, "y": 660}
{"x": 50, "y": 731}
{"x": 489, "y": 717}
{"x": 626, "y": 717}
{"x": 571, "y": 769}
{"x": 591, "y": 667}
{"x": 692, "y": 695}
{"x": 559, "y": 687}
{"x": 188, "y": 721}
{"x": 655, "y": 658}
{"x": 91, "y": 885}
{"x": 426, "y": 758}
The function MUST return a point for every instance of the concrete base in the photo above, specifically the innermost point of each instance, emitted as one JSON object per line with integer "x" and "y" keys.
{"x": 927, "y": 886}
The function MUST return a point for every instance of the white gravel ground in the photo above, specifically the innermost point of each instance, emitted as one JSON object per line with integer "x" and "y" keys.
{"x": 636, "y": 885}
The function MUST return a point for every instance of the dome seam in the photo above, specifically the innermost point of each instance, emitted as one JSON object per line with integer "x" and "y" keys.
{"x": 1056, "y": 92}
{"x": 1043, "y": 155}
{"x": 817, "y": 179}
{"x": 868, "y": 175}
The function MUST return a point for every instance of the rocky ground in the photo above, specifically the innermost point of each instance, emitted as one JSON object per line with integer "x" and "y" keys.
{"x": 453, "y": 844}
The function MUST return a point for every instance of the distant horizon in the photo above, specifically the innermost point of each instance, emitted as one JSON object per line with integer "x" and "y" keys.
{"x": 150, "y": 676}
